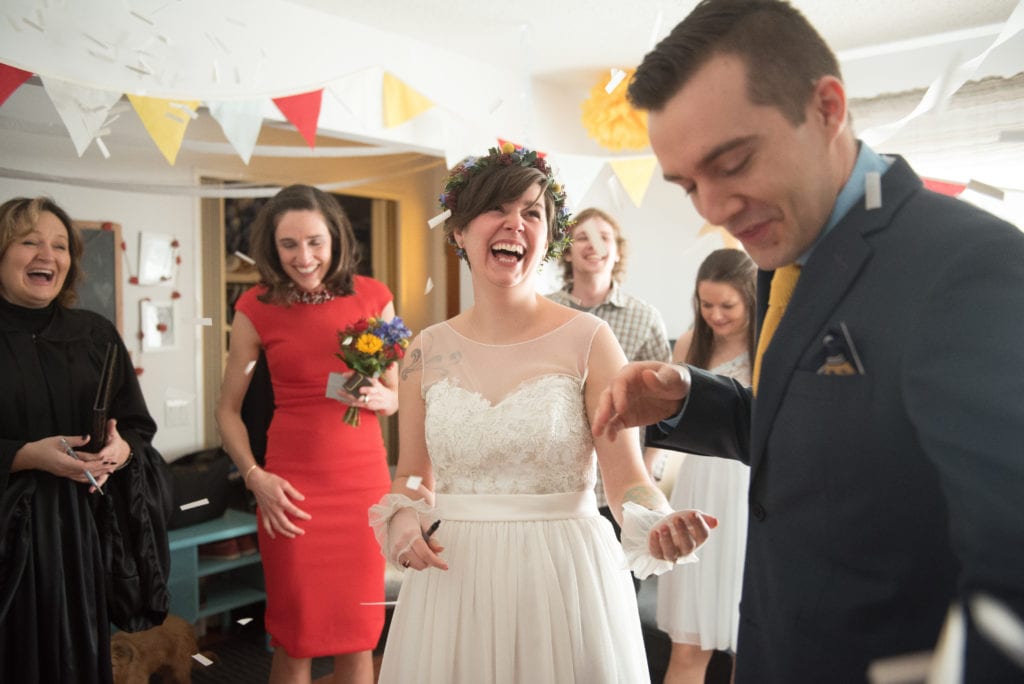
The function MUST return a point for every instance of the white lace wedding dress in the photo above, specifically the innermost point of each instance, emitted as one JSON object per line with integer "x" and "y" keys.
{"x": 537, "y": 589}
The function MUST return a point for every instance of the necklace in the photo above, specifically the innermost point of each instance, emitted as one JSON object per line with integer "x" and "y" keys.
{"x": 305, "y": 297}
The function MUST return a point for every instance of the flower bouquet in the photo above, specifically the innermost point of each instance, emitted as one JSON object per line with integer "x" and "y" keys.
{"x": 369, "y": 347}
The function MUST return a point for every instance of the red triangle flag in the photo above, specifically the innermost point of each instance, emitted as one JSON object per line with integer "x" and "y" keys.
{"x": 303, "y": 111}
{"x": 10, "y": 79}
{"x": 502, "y": 141}
{"x": 943, "y": 187}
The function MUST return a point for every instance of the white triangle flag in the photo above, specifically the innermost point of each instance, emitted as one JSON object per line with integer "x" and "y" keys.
{"x": 241, "y": 122}
{"x": 577, "y": 173}
{"x": 83, "y": 110}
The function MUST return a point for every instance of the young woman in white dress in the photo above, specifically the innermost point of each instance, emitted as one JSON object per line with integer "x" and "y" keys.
{"x": 698, "y": 605}
{"x": 523, "y": 581}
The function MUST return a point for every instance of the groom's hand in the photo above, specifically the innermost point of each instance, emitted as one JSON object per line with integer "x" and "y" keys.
{"x": 642, "y": 393}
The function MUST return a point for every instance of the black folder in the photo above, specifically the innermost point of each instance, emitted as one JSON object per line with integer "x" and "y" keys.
{"x": 101, "y": 405}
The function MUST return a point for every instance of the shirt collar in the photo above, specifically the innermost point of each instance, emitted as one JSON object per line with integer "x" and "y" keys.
{"x": 867, "y": 160}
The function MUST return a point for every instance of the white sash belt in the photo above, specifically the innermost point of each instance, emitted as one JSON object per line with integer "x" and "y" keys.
{"x": 496, "y": 507}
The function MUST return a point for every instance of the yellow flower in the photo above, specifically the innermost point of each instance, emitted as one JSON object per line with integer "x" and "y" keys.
{"x": 369, "y": 344}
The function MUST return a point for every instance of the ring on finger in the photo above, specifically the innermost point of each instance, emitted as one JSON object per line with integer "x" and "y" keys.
{"x": 366, "y": 398}
{"x": 405, "y": 563}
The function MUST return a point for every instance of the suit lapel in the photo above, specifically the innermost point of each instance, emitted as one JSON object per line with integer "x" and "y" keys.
{"x": 826, "y": 278}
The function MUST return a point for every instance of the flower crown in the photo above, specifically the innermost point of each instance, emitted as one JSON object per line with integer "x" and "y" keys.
{"x": 511, "y": 155}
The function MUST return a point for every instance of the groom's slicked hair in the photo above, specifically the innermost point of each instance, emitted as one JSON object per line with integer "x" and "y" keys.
{"x": 784, "y": 55}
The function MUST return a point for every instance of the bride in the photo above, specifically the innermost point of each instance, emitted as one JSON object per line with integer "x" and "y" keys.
{"x": 523, "y": 581}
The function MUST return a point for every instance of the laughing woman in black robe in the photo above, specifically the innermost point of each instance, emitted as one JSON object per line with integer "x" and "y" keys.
{"x": 72, "y": 561}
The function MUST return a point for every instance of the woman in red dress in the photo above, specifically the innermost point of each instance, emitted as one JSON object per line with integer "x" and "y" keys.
{"x": 321, "y": 474}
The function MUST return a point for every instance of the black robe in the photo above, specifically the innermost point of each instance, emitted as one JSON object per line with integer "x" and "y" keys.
{"x": 73, "y": 563}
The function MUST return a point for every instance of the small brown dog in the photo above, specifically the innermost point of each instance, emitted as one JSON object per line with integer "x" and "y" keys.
{"x": 166, "y": 650}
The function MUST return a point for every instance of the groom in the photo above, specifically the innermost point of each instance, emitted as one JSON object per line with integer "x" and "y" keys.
{"x": 885, "y": 443}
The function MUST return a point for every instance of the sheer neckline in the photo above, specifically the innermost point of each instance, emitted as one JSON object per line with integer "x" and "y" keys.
{"x": 512, "y": 344}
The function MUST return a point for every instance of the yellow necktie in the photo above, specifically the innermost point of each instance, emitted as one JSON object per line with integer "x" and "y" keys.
{"x": 783, "y": 284}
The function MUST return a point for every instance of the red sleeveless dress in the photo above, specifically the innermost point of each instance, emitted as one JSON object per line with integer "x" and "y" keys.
{"x": 317, "y": 582}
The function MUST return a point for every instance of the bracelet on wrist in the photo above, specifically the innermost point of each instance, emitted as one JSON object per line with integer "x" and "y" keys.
{"x": 245, "y": 478}
{"x": 131, "y": 452}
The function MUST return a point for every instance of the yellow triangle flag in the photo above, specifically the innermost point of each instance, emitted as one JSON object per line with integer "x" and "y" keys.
{"x": 635, "y": 176}
{"x": 401, "y": 102}
{"x": 727, "y": 239}
{"x": 165, "y": 121}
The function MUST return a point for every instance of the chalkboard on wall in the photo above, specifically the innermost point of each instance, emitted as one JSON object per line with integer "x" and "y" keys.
{"x": 99, "y": 288}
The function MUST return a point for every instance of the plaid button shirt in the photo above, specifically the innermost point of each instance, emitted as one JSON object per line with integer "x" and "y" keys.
{"x": 637, "y": 326}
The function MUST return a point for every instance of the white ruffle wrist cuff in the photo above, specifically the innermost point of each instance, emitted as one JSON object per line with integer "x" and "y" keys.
{"x": 380, "y": 518}
{"x": 637, "y": 523}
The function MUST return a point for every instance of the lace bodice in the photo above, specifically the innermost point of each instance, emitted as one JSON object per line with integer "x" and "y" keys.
{"x": 509, "y": 419}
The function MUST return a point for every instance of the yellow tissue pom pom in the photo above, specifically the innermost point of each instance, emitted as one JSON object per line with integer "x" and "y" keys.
{"x": 508, "y": 148}
{"x": 611, "y": 120}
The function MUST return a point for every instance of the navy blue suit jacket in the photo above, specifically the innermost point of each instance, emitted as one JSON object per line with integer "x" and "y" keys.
{"x": 877, "y": 499}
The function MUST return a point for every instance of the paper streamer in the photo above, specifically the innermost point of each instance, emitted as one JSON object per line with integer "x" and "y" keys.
{"x": 194, "y": 504}
{"x": 947, "y": 83}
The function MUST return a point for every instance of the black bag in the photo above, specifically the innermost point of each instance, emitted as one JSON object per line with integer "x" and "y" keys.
{"x": 200, "y": 475}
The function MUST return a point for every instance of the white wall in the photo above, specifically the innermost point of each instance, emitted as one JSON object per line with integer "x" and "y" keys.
{"x": 169, "y": 374}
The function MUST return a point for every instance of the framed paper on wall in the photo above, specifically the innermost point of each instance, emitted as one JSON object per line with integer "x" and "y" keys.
{"x": 156, "y": 321}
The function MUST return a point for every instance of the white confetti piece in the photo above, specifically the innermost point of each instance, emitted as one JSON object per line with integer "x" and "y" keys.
{"x": 615, "y": 80}
{"x": 986, "y": 189}
{"x": 495, "y": 106}
{"x": 413, "y": 482}
{"x": 379, "y": 603}
{"x": 595, "y": 239}
{"x": 249, "y": 366}
{"x": 37, "y": 27}
{"x": 97, "y": 41}
{"x": 430, "y": 286}
{"x": 246, "y": 258}
{"x": 872, "y": 190}
{"x": 195, "y": 504}
{"x": 202, "y": 660}
{"x": 139, "y": 70}
{"x": 141, "y": 18}
{"x": 99, "y": 55}
{"x": 192, "y": 114}
{"x": 243, "y": 621}
{"x": 439, "y": 219}
{"x": 1002, "y": 627}
{"x": 102, "y": 148}
{"x": 204, "y": 322}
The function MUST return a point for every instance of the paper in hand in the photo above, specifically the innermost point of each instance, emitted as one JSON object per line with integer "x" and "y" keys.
{"x": 336, "y": 384}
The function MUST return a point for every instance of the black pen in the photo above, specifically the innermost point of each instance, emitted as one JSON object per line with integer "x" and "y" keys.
{"x": 71, "y": 452}
{"x": 431, "y": 530}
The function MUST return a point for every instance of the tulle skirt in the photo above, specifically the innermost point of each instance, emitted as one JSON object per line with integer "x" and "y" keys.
{"x": 699, "y": 603}
{"x": 537, "y": 591}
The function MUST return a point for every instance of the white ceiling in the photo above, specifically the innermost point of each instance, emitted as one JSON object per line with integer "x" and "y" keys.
{"x": 560, "y": 38}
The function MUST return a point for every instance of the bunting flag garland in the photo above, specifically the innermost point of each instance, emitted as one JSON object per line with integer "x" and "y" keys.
{"x": 635, "y": 176}
{"x": 83, "y": 110}
{"x": 303, "y": 111}
{"x": 578, "y": 173}
{"x": 11, "y": 79}
{"x": 165, "y": 120}
{"x": 727, "y": 239}
{"x": 241, "y": 123}
{"x": 401, "y": 102}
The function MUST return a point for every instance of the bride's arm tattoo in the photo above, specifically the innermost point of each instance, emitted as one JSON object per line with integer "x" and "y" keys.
{"x": 646, "y": 496}
{"x": 413, "y": 363}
